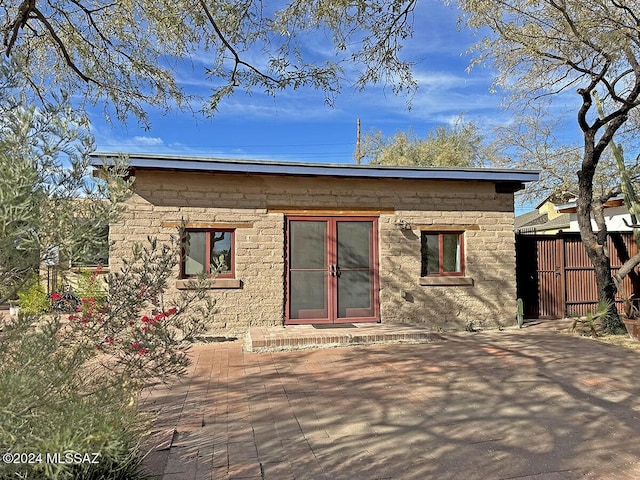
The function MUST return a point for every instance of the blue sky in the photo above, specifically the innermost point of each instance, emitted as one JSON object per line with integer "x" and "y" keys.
{"x": 298, "y": 126}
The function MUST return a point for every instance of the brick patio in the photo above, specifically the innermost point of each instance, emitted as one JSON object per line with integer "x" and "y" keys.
{"x": 298, "y": 337}
{"x": 527, "y": 404}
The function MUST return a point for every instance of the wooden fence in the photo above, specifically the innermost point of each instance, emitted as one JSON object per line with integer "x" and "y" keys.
{"x": 556, "y": 279}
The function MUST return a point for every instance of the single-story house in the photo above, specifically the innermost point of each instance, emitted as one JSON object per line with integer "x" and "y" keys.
{"x": 330, "y": 243}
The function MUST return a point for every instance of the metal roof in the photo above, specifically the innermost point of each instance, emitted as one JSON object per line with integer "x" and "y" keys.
{"x": 260, "y": 167}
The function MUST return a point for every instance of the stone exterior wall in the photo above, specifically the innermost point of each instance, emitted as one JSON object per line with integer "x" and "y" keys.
{"x": 257, "y": 205}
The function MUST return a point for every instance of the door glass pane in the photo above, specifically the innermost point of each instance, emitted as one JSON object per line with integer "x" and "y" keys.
{"x": 308, "y": 297}
{"x": 195, "y": 252}
{"x": 355, "y": 294}
{"x": 451, "y": 253}
{"x": 308, "y": 244}
{"x": 355, "y": 280}
{"x": 221, "y": 251}
{"x": 354, "y": 244}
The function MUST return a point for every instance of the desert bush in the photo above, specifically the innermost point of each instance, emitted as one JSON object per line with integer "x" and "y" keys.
{"x": 46, "y": 409}
{"x": 90, "y": 286}
{"x": 69, "y": 383}
{"x": 32, "y": 297}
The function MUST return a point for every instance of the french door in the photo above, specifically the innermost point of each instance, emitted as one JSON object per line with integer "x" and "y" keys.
{"x": 332, "y": 270}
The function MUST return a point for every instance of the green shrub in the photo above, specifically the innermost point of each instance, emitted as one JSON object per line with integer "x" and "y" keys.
{"x": 51, "y": 402}
{"x": 69, "y": 384}
{"x": 89, "y": 285}
{"x": 33, "y": 298}
{"x": 91, "y": 289}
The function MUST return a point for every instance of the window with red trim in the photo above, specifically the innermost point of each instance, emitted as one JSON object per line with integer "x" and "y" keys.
{"x": 442, "y": 254}
{"x": 208, "y": 251}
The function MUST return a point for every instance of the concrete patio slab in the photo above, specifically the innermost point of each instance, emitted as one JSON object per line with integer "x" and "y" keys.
{"x": 525, "y": 404}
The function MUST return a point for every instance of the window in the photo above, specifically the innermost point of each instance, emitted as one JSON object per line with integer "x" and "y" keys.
{"x": 208, "y": 251}
{"x": 442, "y": 254}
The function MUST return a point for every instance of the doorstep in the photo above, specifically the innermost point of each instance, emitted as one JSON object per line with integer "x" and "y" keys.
{"x": 299, "y": 337}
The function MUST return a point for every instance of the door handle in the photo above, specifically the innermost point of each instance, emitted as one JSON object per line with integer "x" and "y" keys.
{"x": 334, "y": 270}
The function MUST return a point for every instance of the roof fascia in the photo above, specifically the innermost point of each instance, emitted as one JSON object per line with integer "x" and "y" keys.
{"x": 510, "y": 180}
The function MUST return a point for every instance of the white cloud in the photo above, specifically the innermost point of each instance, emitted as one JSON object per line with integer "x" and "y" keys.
{"x": 149, "y": 141}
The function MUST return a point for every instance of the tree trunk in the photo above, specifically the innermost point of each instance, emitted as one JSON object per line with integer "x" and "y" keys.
{"x": 595, "y": 243}
{"x": 598, "y": 255}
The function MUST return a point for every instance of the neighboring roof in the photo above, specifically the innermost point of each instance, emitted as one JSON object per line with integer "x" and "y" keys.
{"x": 555, "y": 198}
{"x": 218, "y": 165}
{"x": 561, "y": 221}
{"x": 571, "y": 206}
{"x": 529, "y": 219}
{"x": 539, "y": 222}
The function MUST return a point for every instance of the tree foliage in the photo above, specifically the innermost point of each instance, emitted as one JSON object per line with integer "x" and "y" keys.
{"x": 459, "y": 145}
{"x": 535, "y": 139}
{"x": 126, "y": 51}
{"x": 69, "y": 385}
{"x": 548, "y": 48}
{"x": 49, "y": 203}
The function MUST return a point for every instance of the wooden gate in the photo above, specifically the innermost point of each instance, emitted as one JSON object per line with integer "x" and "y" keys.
{"x": 556, "y": 279}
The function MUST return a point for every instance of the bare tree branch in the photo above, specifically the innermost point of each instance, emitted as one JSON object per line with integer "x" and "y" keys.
{"x": 24, "y": 13}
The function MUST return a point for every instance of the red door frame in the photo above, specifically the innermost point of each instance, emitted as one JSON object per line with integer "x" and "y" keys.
{"x": 332, "y": 281}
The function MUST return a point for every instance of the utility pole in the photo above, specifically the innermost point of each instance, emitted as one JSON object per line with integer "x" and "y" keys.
{"x": 358, "y": 155}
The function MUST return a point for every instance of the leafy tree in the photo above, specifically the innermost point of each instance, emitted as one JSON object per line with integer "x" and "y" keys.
{"x": 49, "y": 204}
{"x": 69, "y": 385}
{"x": 460, "y": 145}
{"x": 535, "y": 139}
{"x": 126, "y": 51}
{"x": 545, "y": 49}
